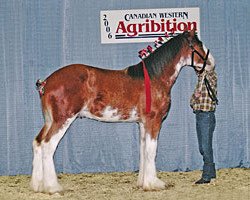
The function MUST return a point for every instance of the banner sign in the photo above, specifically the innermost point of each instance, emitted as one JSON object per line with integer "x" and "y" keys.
{"x": 146, "y": 25}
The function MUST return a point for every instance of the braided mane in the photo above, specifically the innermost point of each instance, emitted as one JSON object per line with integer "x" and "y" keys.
{"x": 157, "y": 60}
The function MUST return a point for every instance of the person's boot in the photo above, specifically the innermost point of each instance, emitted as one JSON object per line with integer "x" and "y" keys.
{"x": 202, "y": 181}
{"x": 209, "y": 171}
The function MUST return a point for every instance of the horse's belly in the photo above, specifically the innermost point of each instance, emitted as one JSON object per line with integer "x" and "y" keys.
{"x": 109, "y": 114}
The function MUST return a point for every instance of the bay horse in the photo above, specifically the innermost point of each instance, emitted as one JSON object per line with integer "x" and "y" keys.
{"x": 79, "y": 90}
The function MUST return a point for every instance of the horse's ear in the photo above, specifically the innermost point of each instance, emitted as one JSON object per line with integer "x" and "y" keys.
{"x": 192, "y": 32}
{"x": 186, "y": 33}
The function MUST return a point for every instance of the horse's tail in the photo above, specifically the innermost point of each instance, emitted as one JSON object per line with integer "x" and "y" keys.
{"x": 40, "y": 86}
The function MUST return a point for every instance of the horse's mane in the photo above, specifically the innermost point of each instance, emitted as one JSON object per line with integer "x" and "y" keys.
{"x": 156, "y": 61}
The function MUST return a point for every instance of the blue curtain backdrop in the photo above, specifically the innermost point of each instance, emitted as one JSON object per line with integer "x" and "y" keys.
{"x": 38, "y": 37}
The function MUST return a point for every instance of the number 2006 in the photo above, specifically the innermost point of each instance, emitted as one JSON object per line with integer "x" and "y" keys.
{"x": 106, "y": 24}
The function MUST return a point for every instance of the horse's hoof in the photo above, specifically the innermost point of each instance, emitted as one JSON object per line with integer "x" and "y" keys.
{"x": 156, "y": 184}
{"x": 53, "y": 189}
{"x": 139, "y": 183}
{"x": 37, "y": 186}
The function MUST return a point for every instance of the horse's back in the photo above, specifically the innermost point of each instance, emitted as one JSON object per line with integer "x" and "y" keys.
{"x": 69, "y": 72}
{"x": 72, "y": 78}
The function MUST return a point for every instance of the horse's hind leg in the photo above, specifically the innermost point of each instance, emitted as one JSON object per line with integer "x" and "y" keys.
{"x": 37, "y": 171}
{"x": 49, "y": 146}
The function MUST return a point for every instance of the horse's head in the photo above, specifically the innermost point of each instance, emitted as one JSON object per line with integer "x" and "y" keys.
{"x": 201, "y": 58}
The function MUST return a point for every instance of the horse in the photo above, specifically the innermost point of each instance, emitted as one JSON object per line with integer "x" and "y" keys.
{"x": 79, "y": 90}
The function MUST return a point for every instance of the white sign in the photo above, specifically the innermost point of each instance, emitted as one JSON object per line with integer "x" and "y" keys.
{"x": 124, "y": 26}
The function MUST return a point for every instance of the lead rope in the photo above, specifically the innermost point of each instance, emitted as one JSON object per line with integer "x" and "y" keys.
{"x": 202, "y": 79}
{"x": 211, "y": 93}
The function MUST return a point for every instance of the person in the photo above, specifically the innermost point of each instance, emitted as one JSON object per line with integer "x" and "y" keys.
{"x": 203, "y": 102}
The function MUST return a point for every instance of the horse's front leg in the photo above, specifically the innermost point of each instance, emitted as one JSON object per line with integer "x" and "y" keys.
{"x": 150, "y": 180}
{"x": 142, "y": 155}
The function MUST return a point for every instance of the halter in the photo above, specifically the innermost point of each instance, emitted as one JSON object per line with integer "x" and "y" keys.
{"x": 207, "y": 84}
{"x": 204, "y": 59}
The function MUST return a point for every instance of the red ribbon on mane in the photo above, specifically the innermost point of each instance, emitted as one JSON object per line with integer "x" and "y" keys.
{"x": 147, "y": 88}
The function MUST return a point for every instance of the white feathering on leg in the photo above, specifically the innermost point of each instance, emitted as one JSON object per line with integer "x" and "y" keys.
{"x": 37, "y": 171}
{"x": 50, "y": 181}
{"x": 151, "y": 182}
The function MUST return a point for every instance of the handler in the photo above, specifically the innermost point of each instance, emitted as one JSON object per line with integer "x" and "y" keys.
{"x": 203, "y": 102}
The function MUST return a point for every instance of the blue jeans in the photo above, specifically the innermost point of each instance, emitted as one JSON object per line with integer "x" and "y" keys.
{"x": 205, "y": 125}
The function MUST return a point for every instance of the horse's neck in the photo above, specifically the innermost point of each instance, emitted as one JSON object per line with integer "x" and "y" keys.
{"x": 172, "y": 70}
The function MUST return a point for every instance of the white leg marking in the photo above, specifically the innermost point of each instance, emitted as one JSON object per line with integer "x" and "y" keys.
{"x": 50, "y": 181}
{"x": 142, "y": 155}
{"x": 151, "y": 182}
{"x": 37, "y": 171}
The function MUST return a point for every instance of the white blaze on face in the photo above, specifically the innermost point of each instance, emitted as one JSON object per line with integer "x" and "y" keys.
{"x": 211, "y": 60}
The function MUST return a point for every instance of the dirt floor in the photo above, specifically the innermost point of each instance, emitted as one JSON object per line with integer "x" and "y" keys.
{"x": 230, "y": 184}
